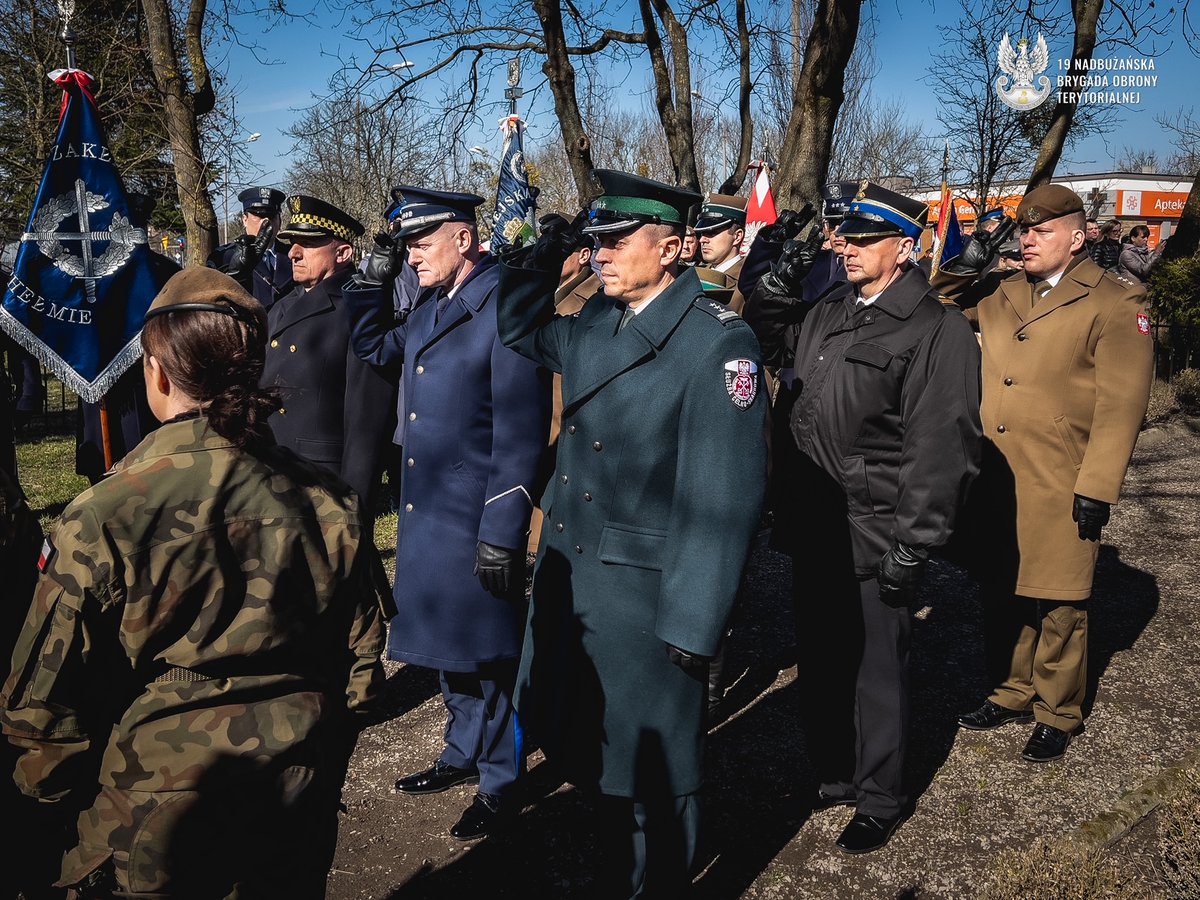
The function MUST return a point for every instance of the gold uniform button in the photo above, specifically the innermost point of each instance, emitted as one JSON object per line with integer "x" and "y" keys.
{"x": 274, "y": 343}
{"x": 420, "y": 370}
{"x": 411, "y": 462}
{"x": 292, "y": 349}
{"x": 282, "y": 411}
{"x": 408, "y": 507}
{"x": 412, "y": 417}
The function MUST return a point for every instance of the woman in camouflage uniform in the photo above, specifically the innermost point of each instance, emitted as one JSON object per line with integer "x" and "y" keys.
{"x": 204, "y": 619}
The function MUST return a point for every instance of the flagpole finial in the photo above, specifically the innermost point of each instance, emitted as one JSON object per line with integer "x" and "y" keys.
{"x": 66, "y": 12}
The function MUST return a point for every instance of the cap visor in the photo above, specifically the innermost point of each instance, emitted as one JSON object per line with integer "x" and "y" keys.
{"x": 855, "y": 227}
{"x": 613, "y": 227}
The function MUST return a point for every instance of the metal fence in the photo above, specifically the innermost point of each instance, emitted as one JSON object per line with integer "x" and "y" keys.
{"x": 1176, "y": 347}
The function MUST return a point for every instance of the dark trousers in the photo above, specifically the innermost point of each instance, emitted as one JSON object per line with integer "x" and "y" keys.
{"x": 648, "y": 847}
{"x": 481, "y": 725}
{"x": 852, "y": 664}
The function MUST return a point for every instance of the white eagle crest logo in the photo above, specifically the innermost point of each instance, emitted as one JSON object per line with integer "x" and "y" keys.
{"x": 1022, "y": 66}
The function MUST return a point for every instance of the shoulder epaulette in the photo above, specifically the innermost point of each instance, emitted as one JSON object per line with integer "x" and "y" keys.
{"x": 718, "y": 311}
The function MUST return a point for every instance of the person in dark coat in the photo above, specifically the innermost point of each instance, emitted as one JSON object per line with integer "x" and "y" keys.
{"x": 647, "y": 526}
{"x": 335, "y": 406}
{"x": 270, "y": 276}
{"x": 887, "y": 425}
{"x": 476, "y": 417}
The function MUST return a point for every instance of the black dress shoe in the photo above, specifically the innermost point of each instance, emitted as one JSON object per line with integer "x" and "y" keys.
{"x": 1046, "y": 743}
{"x": 479, "y": 820}
{"x": 866, "y": 833}
{"x": 993, "y": 715}
{"x": 441, "y": 776}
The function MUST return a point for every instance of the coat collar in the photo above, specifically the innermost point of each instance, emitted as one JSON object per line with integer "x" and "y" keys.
{"x": 899, "y": 299}
{"x": 1080, "y": 277}
{"x": 604, "y": 353}
{"x": 301, "y": 304}
{"x": 184, "y": 436}
{"x": 465, "y": 303}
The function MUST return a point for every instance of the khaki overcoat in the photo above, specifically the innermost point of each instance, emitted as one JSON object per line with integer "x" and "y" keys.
{"x": 1066, "y": 381}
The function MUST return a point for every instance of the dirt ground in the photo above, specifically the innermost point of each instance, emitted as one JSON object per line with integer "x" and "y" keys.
{"x": 975, "y": 796}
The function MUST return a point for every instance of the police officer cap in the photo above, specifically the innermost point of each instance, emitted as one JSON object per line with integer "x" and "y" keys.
{"x": 995, "y": 214}
{"x": 1050, "y": 201}
{"x": 203, "y": 289}
{"x": 310, "y": 217}
{"x": 836, "y": 197}
{"x": 630, "y": 201}
{"x": 263, "y": 201}
{"x": 877, "y": 212}
{"x": 1011, "y": 249}
{"x": 719, "y": 212}
{"x": 421, "y": 209}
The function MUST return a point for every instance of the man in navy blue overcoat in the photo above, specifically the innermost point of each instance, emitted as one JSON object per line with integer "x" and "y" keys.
{"x": 476, "y": 416}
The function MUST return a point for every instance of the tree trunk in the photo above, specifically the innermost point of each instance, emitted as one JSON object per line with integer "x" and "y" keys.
{"x": 561, "y": 75}
{"x": 183, "y": 108}
{"x": 734, "y": 182}
{"x": 1184, "y": 240}
{"x": 673, "y": 89}
{"x": 1086, "y": 14}
{"x": 808, "y": 140}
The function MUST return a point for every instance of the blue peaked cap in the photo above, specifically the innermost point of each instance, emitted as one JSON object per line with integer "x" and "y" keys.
{"x": 419, "y": 209}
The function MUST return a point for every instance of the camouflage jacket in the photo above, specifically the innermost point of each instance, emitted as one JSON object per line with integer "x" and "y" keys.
{"x": 201, "y": 606}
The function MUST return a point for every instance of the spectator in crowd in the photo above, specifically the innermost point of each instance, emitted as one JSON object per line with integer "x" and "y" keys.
{"x": 1136, "y": 259}
{"x": 206, "y": 623}
{"x": 1106, "y": 252}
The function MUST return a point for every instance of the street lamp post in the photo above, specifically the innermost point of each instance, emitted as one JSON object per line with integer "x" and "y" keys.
{"x": 720, "y": 128}
{"x": 228, "y": 174}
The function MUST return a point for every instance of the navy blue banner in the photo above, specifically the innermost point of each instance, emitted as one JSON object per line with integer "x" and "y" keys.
{"x": 512, "y": 222}
{"x": 82, "y": 280}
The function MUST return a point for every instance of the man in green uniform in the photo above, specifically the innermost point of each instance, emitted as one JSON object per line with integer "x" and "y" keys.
{"x": 647, "y": 526}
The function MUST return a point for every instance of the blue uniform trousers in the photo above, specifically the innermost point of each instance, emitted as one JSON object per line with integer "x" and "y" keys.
{"x": 481, "y": 725}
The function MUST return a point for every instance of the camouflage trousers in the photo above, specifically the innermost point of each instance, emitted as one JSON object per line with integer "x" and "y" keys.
{"x": 266, "y": 839}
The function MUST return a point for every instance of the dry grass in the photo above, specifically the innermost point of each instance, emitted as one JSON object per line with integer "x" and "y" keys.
{"x": 1050, "y": 871}
{"x": 1178, "y": 845}
{"x": 1162, "y": 403}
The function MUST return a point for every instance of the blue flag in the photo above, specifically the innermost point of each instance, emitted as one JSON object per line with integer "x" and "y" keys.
{"x": 82, "y": 280}
{"x": 952, "y": 241}
{"x": 513, "y": 220}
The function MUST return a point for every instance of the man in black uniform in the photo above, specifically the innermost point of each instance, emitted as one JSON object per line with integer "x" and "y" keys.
{"x": 887, "y": 424}
{"x": 335, "y": 409}
{"x": 264, "y": 267}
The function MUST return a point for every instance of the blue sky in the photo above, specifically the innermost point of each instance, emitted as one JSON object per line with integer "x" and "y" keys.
{"x": 905, "y": 40}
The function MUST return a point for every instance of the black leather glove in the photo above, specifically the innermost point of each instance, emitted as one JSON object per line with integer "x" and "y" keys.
{"x": 900, "y": 574}
{"x": 1091, "y": 516}
{"x": 499, "y": 569}
{"x": 693, "y": 664}
{"x": 794, "y": 263}
{"x": 558, "y": 239}
{"x": 788, "y": 224}
{"x": 980, "y": 251}
{"x": 247, "y": 250}
{"x": 383, "y": 262}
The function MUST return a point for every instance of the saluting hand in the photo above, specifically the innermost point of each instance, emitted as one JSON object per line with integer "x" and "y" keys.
{"x": 383, "y": 262}
{"x": 794, "y": 264}
{"x": 247, "y": 250}
{"x": 979, "y": 253}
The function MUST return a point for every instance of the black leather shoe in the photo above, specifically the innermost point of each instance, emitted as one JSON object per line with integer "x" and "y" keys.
{"x": 479, "y": 820}
{"x": 993, "y": 715}
{"x": 1046, "y": 743}
{"x": 866, "y": 833}
{"x": 440, "y": 777}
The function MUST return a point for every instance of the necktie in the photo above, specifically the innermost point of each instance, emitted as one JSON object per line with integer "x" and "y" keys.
{"x": 443, "y": 301}
{"x": 1040, "y": 290}
{"x": 625, "y": 317}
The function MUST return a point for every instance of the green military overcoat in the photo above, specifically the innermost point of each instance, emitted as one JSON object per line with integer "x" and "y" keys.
{"x": 656, "y": 495}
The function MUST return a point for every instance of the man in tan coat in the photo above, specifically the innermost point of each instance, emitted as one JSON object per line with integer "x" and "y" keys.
{"x": 1067, "y": 367}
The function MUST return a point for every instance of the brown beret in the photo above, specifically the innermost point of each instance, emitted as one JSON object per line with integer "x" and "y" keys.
{"x": 1048, "y": 202}
{"x": 203, "y": 289}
